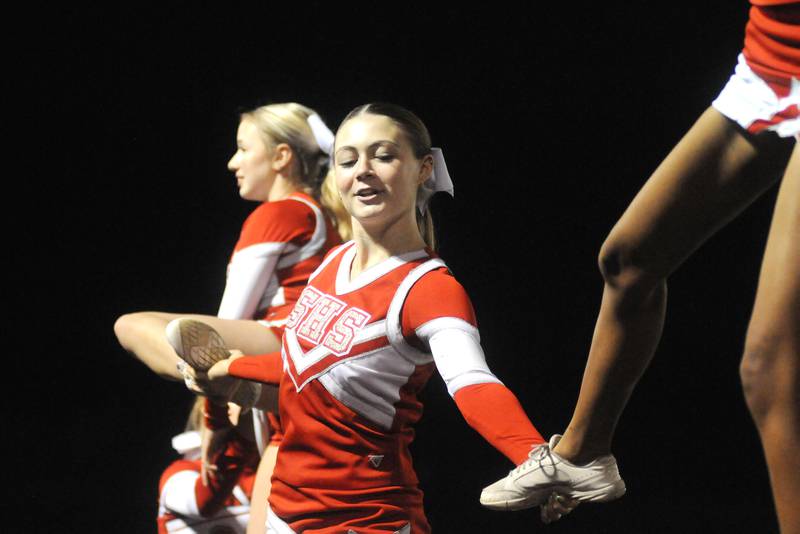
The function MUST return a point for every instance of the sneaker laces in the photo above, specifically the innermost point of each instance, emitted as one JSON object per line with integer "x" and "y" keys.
{"x": 536, "y": 456}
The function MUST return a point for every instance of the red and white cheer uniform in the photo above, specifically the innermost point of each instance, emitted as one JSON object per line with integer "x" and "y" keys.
{"x": 764, "y": 92}
{"x": 281, "y": 244}
{"x": 355, "y": 354}
{"x": 187, "y": 506}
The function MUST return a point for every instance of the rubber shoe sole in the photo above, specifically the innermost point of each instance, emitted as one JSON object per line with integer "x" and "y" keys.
{"x": 196, "y": 343}
{"x": 545, "y": 472}
{"x": 200, "y": 346}
{"x": 539, "y": 497}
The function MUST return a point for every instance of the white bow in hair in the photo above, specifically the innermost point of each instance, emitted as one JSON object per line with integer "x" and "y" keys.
{"x": 439, "y": 180}
{"x": 322, "y": 133}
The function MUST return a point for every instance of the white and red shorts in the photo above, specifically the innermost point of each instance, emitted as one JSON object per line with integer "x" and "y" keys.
{"x": 753, "y": 104}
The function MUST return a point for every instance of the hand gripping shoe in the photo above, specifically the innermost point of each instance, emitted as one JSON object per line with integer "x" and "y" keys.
{"x": 545, "y": 472}
{"x": 200, "y": 346}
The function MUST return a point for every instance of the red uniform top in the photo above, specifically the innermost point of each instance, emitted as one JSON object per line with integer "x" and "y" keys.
{"x": 772, "y": 42}
{"x": 355, "y": 355}
{"x": 280, "y": 245}
{"x": 187, "y": 505}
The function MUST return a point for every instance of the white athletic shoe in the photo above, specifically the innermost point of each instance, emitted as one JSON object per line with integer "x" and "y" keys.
{"x": 200, "y": 346}
{"x": 545, "y": 472}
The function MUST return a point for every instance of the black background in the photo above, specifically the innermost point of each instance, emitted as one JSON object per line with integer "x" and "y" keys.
{"x": 550, "y": 117}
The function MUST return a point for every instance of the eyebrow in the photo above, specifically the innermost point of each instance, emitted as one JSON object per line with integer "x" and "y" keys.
{"x": 371, "y": 146}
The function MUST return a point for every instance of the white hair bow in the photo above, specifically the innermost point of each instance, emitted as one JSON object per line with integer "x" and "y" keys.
{"x": 322, "y": 133}
{"x": 439, "y": 180}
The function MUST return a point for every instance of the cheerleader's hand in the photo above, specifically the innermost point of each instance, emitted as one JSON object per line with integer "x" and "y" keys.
{"x": 219, "y": 390}
{"x": 219, "y": 370}
{"x": 212, "y": 444}
{"x": 557, "y": 505}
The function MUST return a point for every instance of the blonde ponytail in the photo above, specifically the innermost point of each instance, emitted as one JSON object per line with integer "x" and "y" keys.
{"x": 332, "y": 202}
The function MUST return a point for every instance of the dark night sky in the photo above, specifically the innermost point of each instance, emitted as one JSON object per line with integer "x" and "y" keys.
{"x": 550, "y": 118}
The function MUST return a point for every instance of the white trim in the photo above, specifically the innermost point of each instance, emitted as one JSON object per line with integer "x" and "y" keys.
{"x": 316, "y": 242}
{"x": 345, "y": 285}
{"x": 259, "y": 250}
{"x": 354, "y": 386}
{"x": 331, "y": 255}
{"x": 394, "y": 328}
{"x": 187, "y": 443}
{"x": 426, "y": 330}
{"x": 178, "y": 496}
{"x": 277, "y": 322}
{"x": 747, "y": 98}
{"x": 460, "y": 359}
{"x": 233, "y": 517}
{"x": 251, "y": 275}
{"x": 240, "y": 495}
{"x": 276, "y": 525}
{"x": 318, "y": 353}
{"x": 259, "y": 424}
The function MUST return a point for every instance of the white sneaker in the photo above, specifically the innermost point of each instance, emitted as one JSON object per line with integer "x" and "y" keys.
{"x": 545, "y": 472}
{"x": 199, "y": 345}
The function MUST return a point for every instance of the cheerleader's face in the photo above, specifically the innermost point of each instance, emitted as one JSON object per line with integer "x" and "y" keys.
{"x": 376, "y": 171}
{"x": 252, "y": 163}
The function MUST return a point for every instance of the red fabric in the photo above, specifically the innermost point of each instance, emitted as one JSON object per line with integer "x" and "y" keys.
{"x": 216, "y": 416}
{"x": 287, "y": 221}
{"x": 237, "y": 466}
{"x": 266, "y": 368}
{"x": 345, "y": 460}
{"x": 772, "y": 43}
{"x": 275, "y": 428}
{"x": 231, "y": 462}
{"x": 496, "y": 414}
{"x": 772, "y": 2}
{"x": 337, "y": 468}
{"x": 792, "y": 112}
{"x": 437, "y": 294}
{"x": 323, "y": 480}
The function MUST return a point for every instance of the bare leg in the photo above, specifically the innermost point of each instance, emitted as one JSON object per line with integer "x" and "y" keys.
{"x": 696, "y": 190}
{"x": 771, "y": 364}
{"x": 258, "y": 503}
{"x": 142, "y": 334}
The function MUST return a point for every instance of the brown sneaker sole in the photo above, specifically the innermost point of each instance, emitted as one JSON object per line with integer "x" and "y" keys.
{"x": 201, "y": 347}
{"x": 196, "y": 343}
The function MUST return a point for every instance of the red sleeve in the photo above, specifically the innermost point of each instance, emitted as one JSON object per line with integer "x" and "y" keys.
{"x": 437, "y": 294}
{"x": 282, "y": 221}
{"x": 230, "y": 464}
{"x": 215, "y": 415}
{"x": 266, "y": 368}
{"x": 496, "y": 414}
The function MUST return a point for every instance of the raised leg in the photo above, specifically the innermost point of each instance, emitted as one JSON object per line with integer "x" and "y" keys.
{"x": 142, "y": 334}
{"x": 697, "y": 189}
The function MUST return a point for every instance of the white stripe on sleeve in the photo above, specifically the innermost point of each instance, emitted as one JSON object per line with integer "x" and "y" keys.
{"x": 456, "y": 348}
{"x": 249, "y": 274}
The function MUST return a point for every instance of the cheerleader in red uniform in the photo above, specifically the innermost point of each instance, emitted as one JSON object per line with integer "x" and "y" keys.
{"x": 187, "y": 503}
{"x": 281, "y": 161}
{"x": 377, "y": 319}
{"x": 701, "y": 185}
